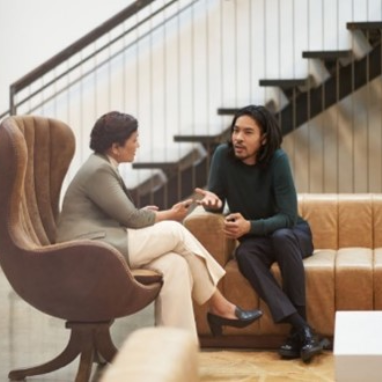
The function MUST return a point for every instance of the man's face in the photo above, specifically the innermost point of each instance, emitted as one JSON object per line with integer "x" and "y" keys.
{"x": 247, "y": 139}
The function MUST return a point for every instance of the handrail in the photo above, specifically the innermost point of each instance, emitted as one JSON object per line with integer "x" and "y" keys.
{"x": 74, "y": 48}
{"x": 65, "y": 88}
{"x": 2, "y": 115}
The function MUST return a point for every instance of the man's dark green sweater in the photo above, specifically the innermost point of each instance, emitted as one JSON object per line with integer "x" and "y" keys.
{"x": 263, "y": 194}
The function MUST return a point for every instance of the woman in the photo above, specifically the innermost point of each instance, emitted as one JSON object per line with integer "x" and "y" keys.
{"x": 98, "y": 206}
{"x": 252, "y": 175}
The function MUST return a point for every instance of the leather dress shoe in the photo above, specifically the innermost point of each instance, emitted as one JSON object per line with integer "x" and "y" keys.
{"x": 244, "y": 318}
{"x": 310, "y": 344}
{"x": 291, "y": 349}
{"x": 304, "y": 343}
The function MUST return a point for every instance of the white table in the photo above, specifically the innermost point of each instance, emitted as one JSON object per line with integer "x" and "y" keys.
{"x": 358, "y": 346}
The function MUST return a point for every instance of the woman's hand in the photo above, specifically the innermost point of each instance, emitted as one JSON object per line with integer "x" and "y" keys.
{"x": 180, "y": 210}
{"x": 236, "y": 226}
{"x": 177, "y": 212}
{"x": 209, "y": 199}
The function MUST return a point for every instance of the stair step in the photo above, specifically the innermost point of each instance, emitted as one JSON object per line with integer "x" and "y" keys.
{"x": 364, "y": 25}
{"x": 142, "y": 181}
{"x": 171, "y": 161}
{"x": 327, "y": 55}
{"x": 284, "y": 83}
{"x": 206, "y": 140}
{"x": 372, "y": 30}
{"x": 227, "y": 110}
{"x": 290, "y": 87}
{"x": 270, "y": 105}
{"x": 330, "y": 58}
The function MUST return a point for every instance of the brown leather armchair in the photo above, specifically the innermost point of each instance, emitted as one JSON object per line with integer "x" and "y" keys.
{"x": 86, "y": 283}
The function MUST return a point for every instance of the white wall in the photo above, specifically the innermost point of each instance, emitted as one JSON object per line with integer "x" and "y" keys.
{"x": 31, "y": 32}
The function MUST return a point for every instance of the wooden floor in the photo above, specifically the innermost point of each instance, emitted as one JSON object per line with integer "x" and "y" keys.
{"x": 29, "y": 337}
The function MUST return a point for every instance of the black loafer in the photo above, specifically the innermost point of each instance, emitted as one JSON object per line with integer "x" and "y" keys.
{"x": 244, "y": 318}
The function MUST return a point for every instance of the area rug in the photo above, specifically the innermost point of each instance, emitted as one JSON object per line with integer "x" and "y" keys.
{"x": 252, "y": 366}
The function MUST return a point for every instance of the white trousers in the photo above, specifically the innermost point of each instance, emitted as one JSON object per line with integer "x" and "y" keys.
{"x": 189, "y": 271}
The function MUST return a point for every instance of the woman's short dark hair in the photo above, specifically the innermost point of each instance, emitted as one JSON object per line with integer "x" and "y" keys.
{"x": 268, "y": 126}
{"x": 112, "y": 127}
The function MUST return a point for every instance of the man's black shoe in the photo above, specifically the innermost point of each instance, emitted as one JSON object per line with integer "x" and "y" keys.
{"x": 311, "y": 344}
{"x": 291, "y": 349}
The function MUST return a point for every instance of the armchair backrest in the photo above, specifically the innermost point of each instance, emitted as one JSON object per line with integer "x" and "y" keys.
{"x": 35, "y": 154}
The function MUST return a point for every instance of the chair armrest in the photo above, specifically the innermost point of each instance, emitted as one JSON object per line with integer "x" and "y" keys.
{"x": 146, "y": 276}
{"x": 207, "y": 227}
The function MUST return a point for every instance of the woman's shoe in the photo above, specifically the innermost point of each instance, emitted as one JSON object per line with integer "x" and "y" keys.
{"x": 244, "y": 318}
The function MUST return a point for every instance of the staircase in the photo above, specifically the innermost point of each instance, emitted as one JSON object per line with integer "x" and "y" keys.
{"x": 172, "y": 174}
{"x": 305, "y": 100}
{"x": 344, "y": 79}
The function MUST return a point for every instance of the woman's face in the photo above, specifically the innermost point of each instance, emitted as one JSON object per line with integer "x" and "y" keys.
{"x": 126, "y": 152}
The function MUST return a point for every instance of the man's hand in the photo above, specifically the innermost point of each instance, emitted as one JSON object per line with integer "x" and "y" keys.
{"x": 236, "y": 226}
{"x": 209, "y": 199}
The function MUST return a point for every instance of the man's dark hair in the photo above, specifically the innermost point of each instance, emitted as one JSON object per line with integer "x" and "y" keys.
{"x": 112, "y": 127}
{"x": 268, "y": 126}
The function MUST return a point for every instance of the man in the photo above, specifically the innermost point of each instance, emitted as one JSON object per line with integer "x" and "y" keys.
{"x": 252, "y": 175}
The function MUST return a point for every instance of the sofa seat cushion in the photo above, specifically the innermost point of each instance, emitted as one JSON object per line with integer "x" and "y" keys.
{"x": 320, "y": 290}
{"x": 354, "y": 279}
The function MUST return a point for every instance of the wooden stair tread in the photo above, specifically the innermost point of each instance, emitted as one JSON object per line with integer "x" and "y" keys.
{"x": 185, "y": 159}
{"x": 227, "y": 110}
{"x": 284, "y": 83}
{"x": 327, "y": 54}
{"x": 204, "y": 139}
{"x": 364, "y": 25}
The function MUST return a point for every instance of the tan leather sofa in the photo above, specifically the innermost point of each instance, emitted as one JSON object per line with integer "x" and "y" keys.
{"x": 345, "y": 272}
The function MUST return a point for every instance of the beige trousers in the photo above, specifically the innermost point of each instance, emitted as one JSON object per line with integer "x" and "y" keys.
{"x": 189, "y": 271}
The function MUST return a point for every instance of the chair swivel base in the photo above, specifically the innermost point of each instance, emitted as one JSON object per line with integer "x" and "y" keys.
{"x": 92, "y": 341}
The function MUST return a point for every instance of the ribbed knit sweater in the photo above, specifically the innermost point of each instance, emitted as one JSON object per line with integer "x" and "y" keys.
{"x": 265, "y": 195}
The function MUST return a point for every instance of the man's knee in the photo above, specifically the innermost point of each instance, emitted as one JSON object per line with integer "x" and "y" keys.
{"x": 245, "y": 258}
{"x": 282, "y": 236}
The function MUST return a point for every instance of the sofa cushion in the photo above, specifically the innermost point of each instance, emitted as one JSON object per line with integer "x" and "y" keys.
{"x": 354, "y": 279}
{"x": 320, "y": 289}
{"x": 355, "y": 221}
{"x": 321, "y": 211}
